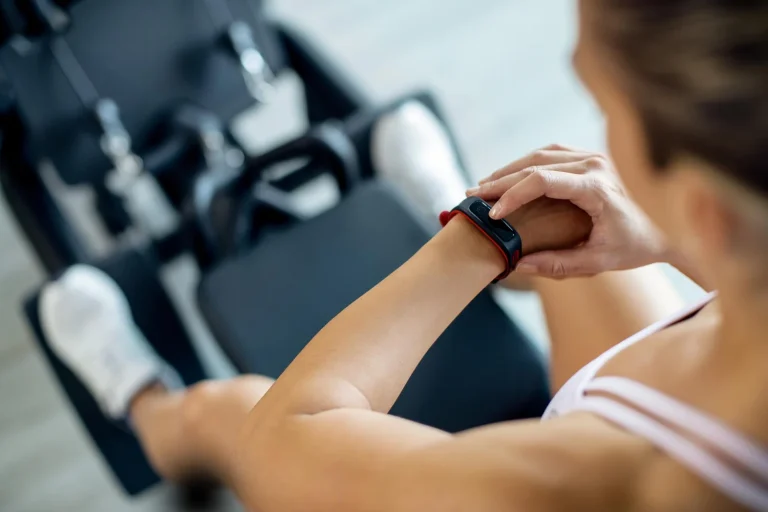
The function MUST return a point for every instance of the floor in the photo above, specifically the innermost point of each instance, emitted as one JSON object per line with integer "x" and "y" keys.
{"x": 501, "y": 70}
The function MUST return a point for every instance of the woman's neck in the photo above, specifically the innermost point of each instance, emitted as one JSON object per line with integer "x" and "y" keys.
{"x": 744, "y": 325}
{"x": 734, "y": 379}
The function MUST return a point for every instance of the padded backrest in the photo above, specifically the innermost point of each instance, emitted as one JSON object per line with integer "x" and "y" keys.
{"x": 148, "y": 56}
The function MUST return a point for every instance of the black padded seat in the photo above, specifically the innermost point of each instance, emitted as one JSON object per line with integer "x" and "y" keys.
{"x": 264, "y": 306}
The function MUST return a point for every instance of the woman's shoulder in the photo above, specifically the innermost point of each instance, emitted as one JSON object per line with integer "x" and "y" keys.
{"x": 646, "y": 342}
{"x": 671, "y": 360}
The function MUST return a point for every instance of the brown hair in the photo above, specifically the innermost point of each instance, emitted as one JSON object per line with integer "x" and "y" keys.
{"x": 698, "y": 72}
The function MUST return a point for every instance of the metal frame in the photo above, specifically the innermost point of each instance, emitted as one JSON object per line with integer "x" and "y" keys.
{"x": 328, "y": 93}
{"x": 52, "y": 237}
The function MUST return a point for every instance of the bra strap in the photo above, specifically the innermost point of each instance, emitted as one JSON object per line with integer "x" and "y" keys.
{"x": 683, "y": 450}
{"x": 687, "y": 419}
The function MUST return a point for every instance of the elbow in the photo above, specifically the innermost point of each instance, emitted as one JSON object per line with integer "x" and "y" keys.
{"x": 278, "y": 443}
{"x": 279, "y": 468}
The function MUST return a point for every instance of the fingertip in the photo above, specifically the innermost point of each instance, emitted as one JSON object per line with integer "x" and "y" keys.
{"x": 496, "y": 212}
{"x": 472, "y": 191}
{"x": 526, "y": 268}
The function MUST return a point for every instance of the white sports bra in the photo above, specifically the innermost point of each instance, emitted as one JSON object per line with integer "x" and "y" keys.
{"x": 685, "y": 434}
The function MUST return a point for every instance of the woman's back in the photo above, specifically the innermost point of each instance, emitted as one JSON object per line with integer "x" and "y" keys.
{"x": 648, "y": 386}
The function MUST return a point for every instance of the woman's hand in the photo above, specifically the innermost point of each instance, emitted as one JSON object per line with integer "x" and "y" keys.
{"x": 622, "y": 237}
{"x": 548, "y": 224}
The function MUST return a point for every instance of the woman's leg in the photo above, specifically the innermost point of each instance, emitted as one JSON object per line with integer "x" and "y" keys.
{"x": 411, "y": 149}
{"x": 192, "y": 434}
{"x": 186, "y": 433}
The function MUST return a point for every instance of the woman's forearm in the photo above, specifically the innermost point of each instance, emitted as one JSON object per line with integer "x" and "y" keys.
{"x": 364, "y": 357}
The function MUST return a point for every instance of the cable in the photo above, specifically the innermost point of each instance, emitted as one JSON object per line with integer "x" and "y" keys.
{"x": 74, "y": 72}
{"x": 220, "y": 13}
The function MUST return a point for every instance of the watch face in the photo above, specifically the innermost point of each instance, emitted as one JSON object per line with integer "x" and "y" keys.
{"x": 499, "y": 227}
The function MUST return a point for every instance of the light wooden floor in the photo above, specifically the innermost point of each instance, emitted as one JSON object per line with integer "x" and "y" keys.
{"x": 501, "y": 69}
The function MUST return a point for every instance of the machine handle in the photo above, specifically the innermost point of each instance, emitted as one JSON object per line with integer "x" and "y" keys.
{"x": 326, "y": 148}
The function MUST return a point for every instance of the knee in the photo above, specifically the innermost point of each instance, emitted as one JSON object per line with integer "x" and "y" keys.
{"x": 217, "y": 409}
{"x": 198, "y": 403}
{"x": 213, "y": 417}
{"x": 170, "y": 452}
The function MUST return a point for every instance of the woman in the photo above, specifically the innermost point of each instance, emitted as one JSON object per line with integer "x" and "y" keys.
{"x": 672, "y": 418}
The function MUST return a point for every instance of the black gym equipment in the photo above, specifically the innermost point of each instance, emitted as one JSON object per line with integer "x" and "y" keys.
{"x": 110, "y": 91}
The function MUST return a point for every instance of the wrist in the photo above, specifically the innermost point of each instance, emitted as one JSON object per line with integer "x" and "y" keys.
{"x": 527, "y": 233}
{"x": 550, "y": 225}
{"x": 461, "y": 240}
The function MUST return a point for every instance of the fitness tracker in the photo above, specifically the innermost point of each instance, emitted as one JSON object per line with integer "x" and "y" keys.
{"x": 500, "y": 232}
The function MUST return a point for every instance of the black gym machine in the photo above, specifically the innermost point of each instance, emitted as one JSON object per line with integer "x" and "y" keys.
{"x": 112, "y": 93}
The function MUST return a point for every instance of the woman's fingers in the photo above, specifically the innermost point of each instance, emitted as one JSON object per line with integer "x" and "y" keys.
{"x": 492, "y": 190}
{"x": 542, "y": 157}
{"x": 579, "y": 189}
{"x": 580, "y": 262}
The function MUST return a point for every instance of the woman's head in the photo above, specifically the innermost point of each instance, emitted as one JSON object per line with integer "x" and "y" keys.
{"x": 684, "y": 86}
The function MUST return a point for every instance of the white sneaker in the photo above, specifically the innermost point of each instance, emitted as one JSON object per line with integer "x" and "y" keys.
{"x": 411, "y": 149}
{"x": 88, "y": 324}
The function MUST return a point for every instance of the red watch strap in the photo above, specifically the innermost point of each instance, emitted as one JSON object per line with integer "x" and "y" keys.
{"x": 445, "y": 217}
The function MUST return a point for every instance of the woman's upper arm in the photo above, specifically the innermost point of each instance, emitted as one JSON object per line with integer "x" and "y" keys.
{"x": 335, "y": 460}
{"x": 586, "y": 317}
{"x": 361, "y": 460}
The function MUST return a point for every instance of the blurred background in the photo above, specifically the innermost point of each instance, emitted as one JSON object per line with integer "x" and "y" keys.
{"x": 501, "y": 70}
